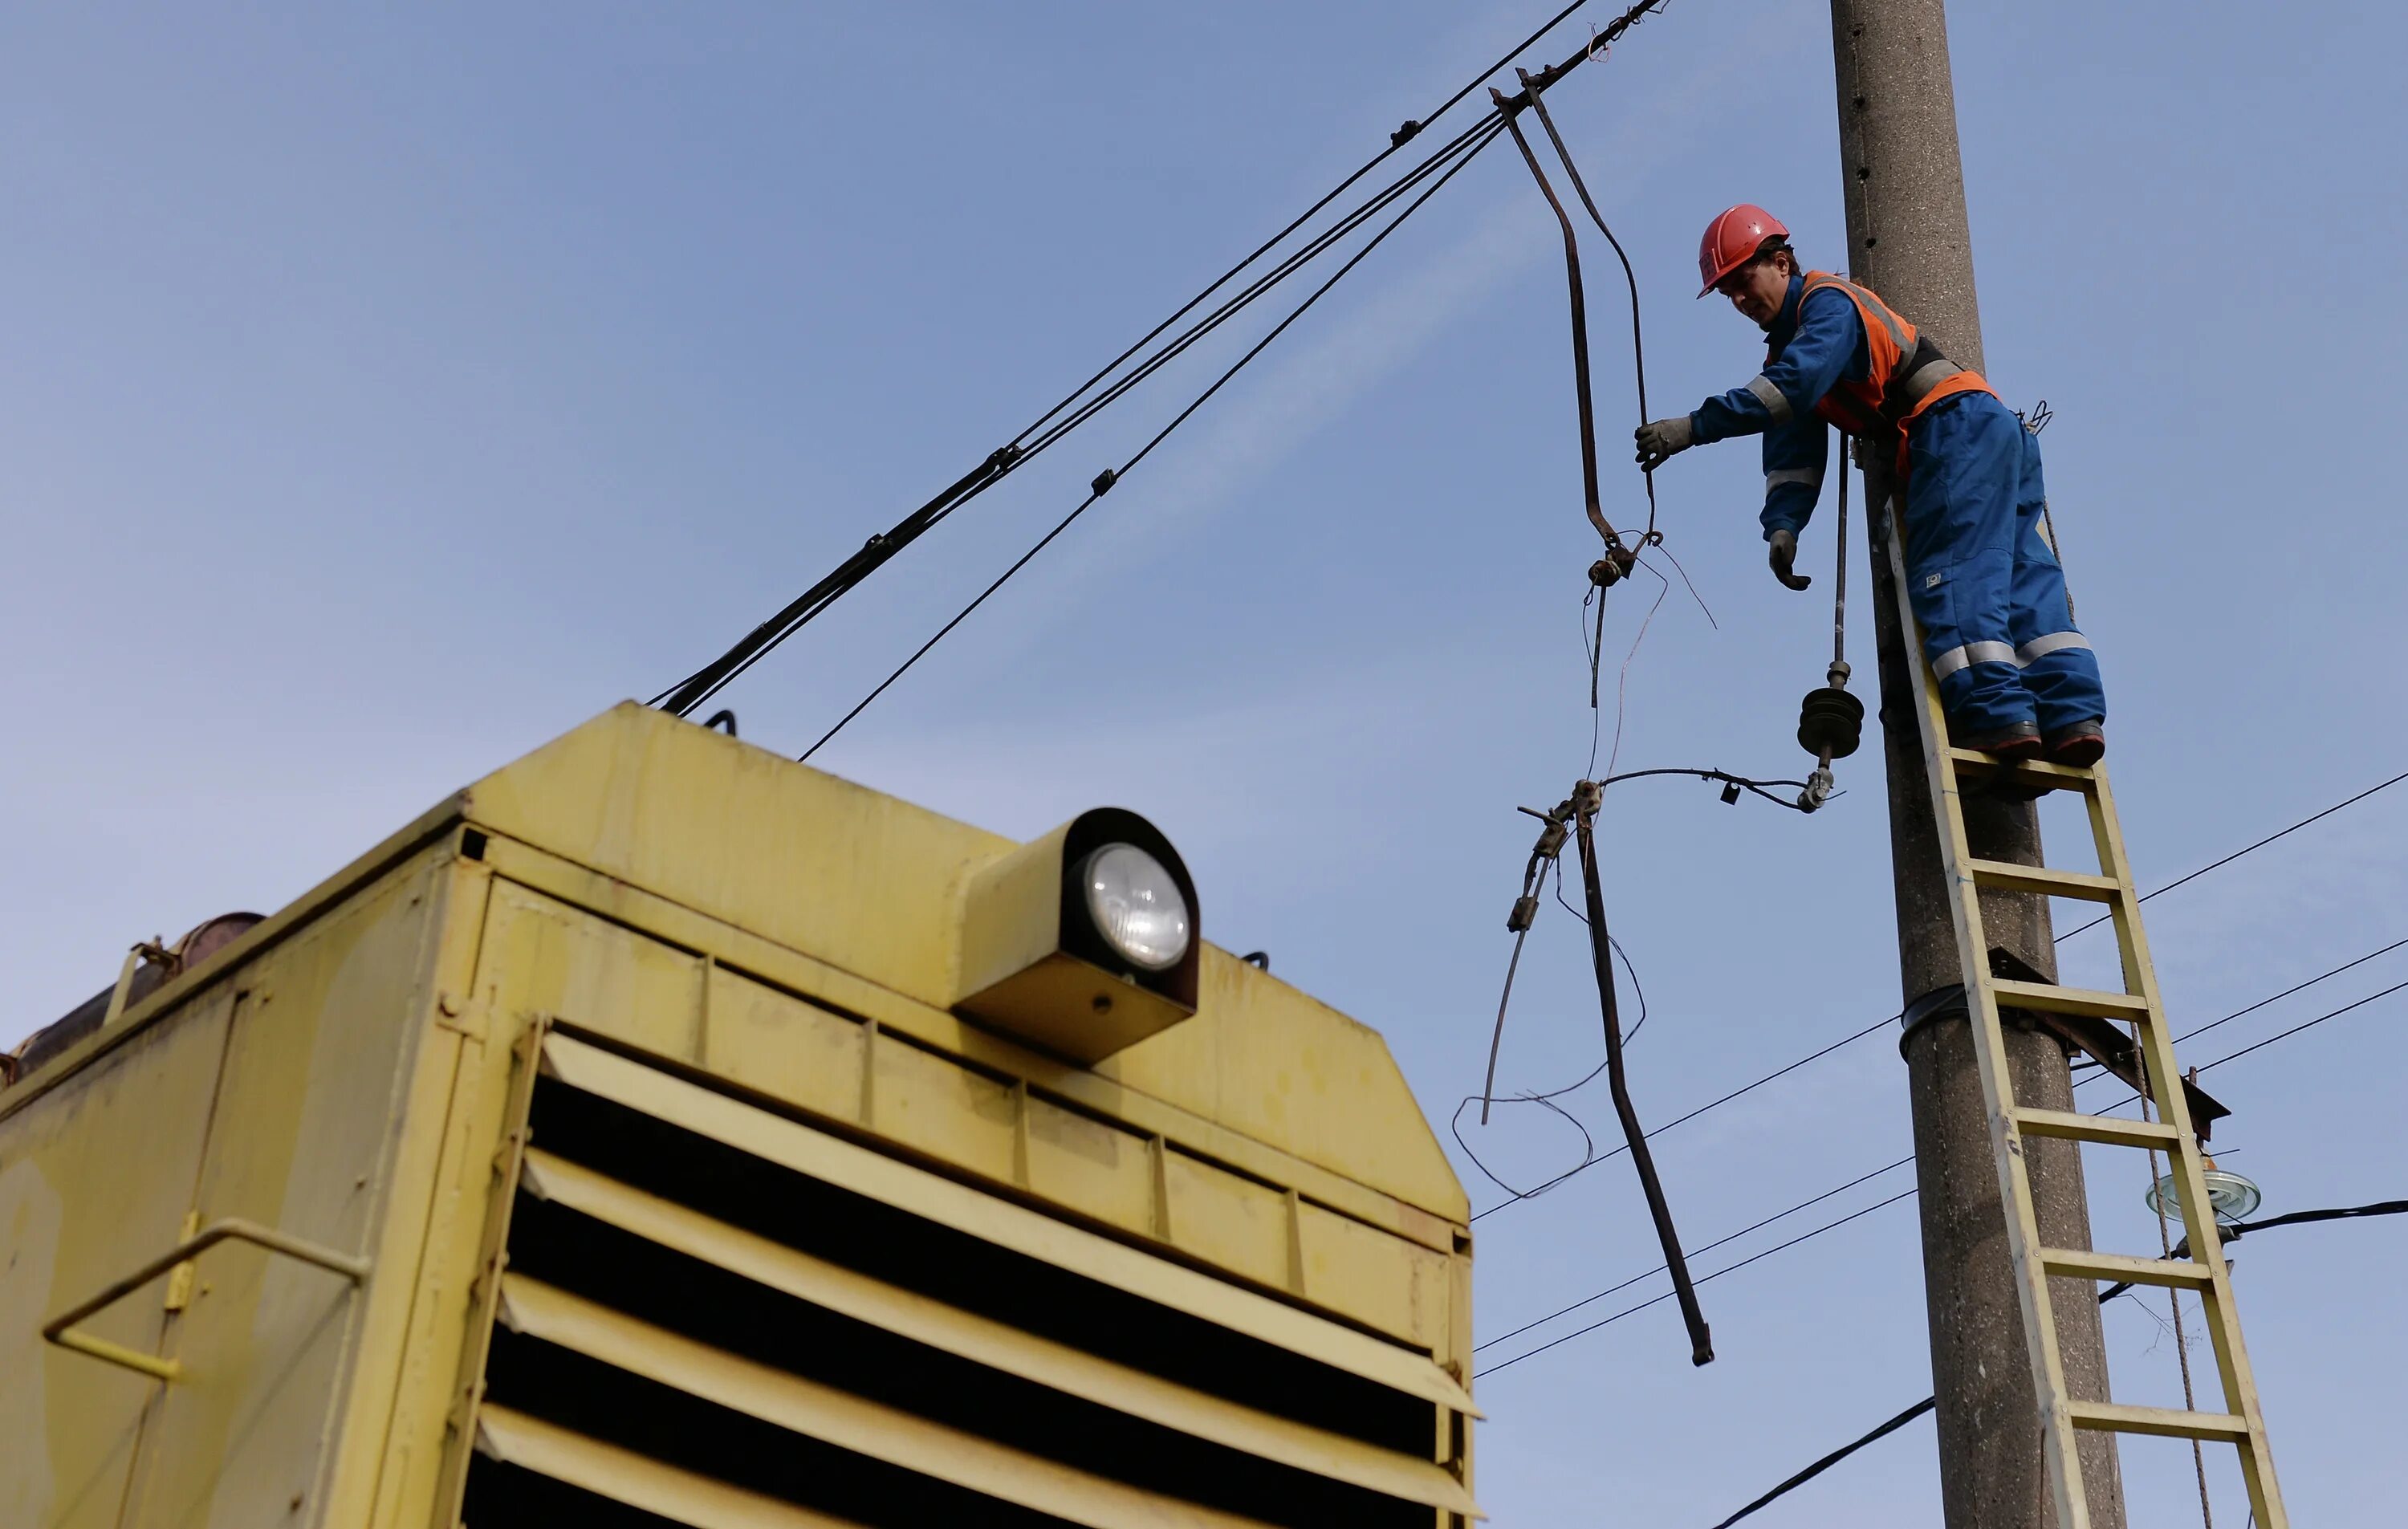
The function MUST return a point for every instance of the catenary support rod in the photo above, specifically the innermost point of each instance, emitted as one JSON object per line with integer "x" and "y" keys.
{"x": 1587, "y": 796}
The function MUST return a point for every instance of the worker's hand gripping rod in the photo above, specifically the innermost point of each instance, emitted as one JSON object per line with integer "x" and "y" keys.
{"x": 1587, "y": 796}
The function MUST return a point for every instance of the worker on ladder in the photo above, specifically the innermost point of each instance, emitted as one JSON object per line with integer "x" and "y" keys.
{"x": 2017, "y": 679}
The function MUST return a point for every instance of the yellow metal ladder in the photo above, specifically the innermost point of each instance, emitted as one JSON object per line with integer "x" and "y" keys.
{"x": 2138, "y": 1007}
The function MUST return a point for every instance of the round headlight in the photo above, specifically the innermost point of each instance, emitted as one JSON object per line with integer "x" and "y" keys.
{"x": 1137, "y": 906}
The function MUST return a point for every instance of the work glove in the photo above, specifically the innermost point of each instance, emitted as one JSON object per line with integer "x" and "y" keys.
{"x": 1663, "y": 440}
{"x": 1783, "y": 548}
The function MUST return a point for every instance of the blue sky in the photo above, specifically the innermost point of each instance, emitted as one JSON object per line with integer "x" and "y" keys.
{"x": 387, "y": 390}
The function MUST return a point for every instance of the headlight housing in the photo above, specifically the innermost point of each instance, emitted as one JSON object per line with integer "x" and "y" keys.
{"x": 1082, "y": 942}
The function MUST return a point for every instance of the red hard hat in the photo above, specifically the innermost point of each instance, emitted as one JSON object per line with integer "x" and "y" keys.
{"x": 1732, "y": 240}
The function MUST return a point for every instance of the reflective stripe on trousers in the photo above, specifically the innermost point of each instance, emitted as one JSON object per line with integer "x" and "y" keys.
{"x": 1999, "y": 652}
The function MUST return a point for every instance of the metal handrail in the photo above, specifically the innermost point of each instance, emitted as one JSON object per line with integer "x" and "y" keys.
{"x": 59, "y": 1329}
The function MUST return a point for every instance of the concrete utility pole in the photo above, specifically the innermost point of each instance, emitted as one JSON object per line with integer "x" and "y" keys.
{"x": 1909, "y": 241}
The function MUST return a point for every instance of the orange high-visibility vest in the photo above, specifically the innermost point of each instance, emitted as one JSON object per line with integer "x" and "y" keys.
{"x": 1905, "y": 375}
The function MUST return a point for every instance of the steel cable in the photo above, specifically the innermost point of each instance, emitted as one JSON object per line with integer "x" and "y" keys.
{"x": 1110, "y": 479}
{"x": 684, "y": 696}
{"x": 1878, "y": 1024}
{"x": 1903, "y": 1161}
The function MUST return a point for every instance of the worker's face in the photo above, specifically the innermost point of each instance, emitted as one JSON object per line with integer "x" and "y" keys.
{"x": 1758, "y": 288}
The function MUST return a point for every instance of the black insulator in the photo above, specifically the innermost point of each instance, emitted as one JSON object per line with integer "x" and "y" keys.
{"x": 1830, "y": 719}
{"x": 1612, "y": 568}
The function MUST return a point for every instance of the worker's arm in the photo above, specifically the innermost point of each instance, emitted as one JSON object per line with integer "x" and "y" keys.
{"x": 1795, "y": 453}
{"x": 1829, "y": 335}
{"x": 1827, "y": 345}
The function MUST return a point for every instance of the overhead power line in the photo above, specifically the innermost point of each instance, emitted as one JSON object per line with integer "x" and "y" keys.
{"x": 2238, "y": 854}
{"x": 2234, "y": 1232}
{"x": 1111, "y": 477}
{"x": 1780, "y": 1215}
{"x": 1727, "y": 1268}
{"x": 2286, "y": 1035}
{"x": 1078, "y": 405}
{"x": 1826, "y": 1195}
{"x": 1843, "y": 1041}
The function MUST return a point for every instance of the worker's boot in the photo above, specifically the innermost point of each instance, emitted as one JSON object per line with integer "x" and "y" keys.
{"x": 2076, "y": 744}
{"x": 2017, "y": 741}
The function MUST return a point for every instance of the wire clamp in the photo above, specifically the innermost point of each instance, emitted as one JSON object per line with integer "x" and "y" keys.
{"x": 1104, "y": 482}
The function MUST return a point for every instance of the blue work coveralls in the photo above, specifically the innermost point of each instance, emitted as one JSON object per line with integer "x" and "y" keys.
{"x": 1988, "y": 591}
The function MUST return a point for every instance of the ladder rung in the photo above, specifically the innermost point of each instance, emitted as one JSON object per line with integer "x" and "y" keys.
{"x": 2164, "y": 1421}
{"x": 2032, "y": 771}
{"x": 2050, "y": 998}
{"x": 2107, "y": 1130}
{"x": 2078, "y": 1263}
{"x": 2004, "y": 875}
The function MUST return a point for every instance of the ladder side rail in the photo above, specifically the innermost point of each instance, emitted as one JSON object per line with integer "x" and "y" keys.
{"x": 2185, "y": 1161}
{"x": 2062, "y": 1448}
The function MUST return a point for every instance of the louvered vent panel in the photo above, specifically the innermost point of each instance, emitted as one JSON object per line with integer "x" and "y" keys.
{"x": 717, "y": 1316}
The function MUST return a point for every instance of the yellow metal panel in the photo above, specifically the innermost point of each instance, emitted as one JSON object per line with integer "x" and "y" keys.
{"x": 992, "y": 1343}
{"x": 304, "y": 1115}
{"x": 935, "y": 1105}
{"x": 606, "y": 977}
{"x": 622, "y": 1476}
{"x": 871, "y": 886}
{"x": 600, "y": 977}
{"x": 1391, "y": 1284}
{"x": 1102, "y": 1169}
{"x": 850, "y": 995}
{"x": 95, "y": 1179}
{"x": 865, "y": 1172}
{"x": 1269, "y": 1061}
{"x": 846, "y": 1421}
{"x": 1232, "y": 1221}
{"x": 812, "y": 862}
{"x": 437, "y": 1185}
{"x": 482, "y": 1158}
{"x": 784, "y": 1047}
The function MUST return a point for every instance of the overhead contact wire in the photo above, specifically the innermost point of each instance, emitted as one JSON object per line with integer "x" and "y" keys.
{"x": 1876, "y": 1173}
{"x": 2232, "y": 1232}
{"x": 689, "y": 693}
{"x": 1105, "y": 482}
{"x": 1878, "y": 1024}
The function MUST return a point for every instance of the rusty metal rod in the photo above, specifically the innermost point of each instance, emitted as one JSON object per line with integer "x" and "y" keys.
{"x": 1531, "y": 87}
{"x": 1587, "y": 795}
{"x": 1580, "y": 324}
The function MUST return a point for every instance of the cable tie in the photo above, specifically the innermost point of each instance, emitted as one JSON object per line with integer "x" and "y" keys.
{"x": 1104, "y": 482}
